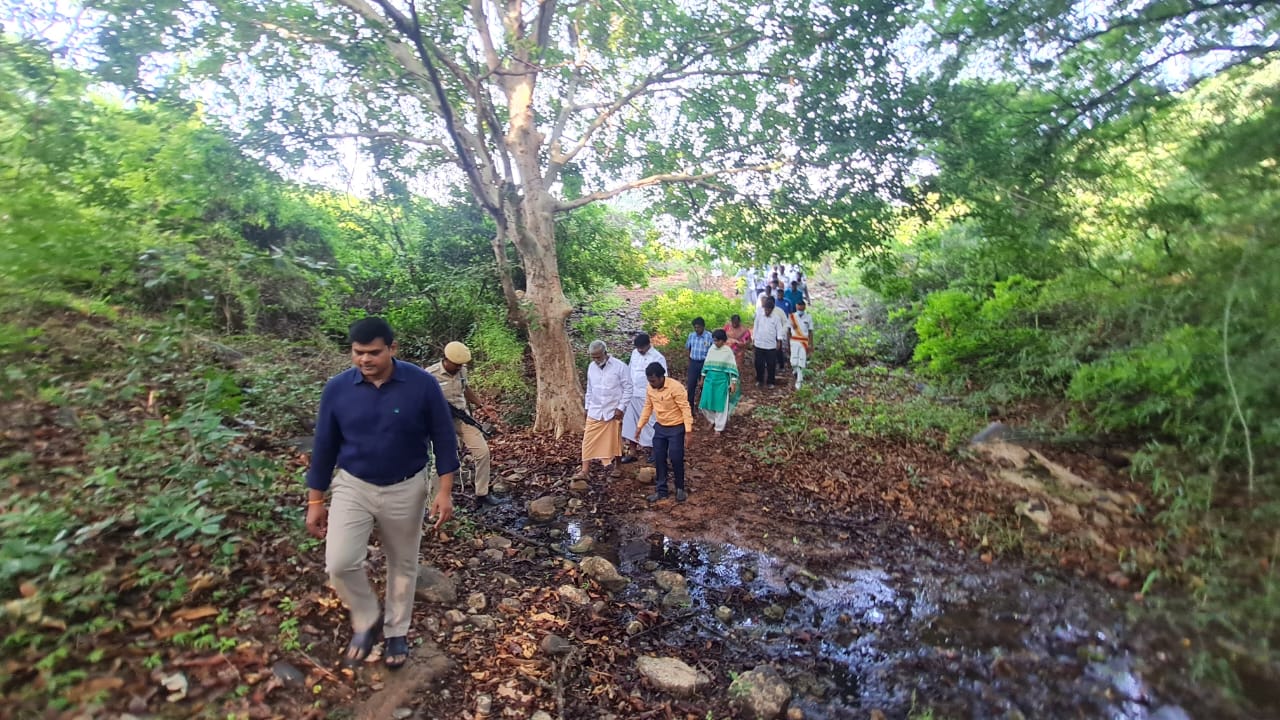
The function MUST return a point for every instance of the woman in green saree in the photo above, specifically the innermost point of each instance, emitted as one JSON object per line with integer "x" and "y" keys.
{"x": 721, "y": 388}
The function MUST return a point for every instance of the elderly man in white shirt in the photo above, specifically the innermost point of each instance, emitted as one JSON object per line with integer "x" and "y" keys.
{"x": 643, "y": 354}
{"x": 608, "y": 393}
{"x": 769, "y": 333}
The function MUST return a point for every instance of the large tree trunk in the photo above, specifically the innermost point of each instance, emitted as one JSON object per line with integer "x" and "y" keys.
{"x": 515, "y": 316}
{"x": 559, "y": 399}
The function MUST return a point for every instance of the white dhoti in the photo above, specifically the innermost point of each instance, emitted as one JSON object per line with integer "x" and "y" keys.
{"x": 799, "y": 354}
{"x": 629, "y": 418}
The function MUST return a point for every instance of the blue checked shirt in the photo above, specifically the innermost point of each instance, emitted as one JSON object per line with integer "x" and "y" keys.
{"x": 698, "y": 345}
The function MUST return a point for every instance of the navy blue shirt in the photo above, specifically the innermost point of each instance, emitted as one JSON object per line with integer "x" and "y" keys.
{"x": 382, "y": 434}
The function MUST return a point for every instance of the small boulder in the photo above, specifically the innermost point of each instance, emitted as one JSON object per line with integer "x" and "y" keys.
{"x": 724, "y": 614}
{"x": 760, "y": 694}
{"x": 574, "y": 595}
{"x": 455, "y": 617}
{"x": 603, "y": 572}
{"x": 579, "y": 487}
{"x": 668, "y": 580}
{"x": 497, "y": 541}
{"x": 477, "y": 602}
{"x": 555, "y": 645}
{"x": 1037, "y": 512}
{"x": 482, "y": 622}
{"x": 646, "y": 474}
{"x": 677, "y": 598}
{"x": 543, "y": 509}
{"x": 288, "y": 674}
{"x": 672, "y": 675}
{"x": 585, "y": 545}
{"x": 775, "y": 612}
{"x": 435, "y": 587}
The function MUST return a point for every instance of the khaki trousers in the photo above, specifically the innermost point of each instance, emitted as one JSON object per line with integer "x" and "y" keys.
{"x": 474, "y": 441}
{"x": 397, "y": 510}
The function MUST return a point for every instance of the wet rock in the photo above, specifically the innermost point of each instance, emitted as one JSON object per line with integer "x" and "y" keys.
{"x": 672, "y": 675}
{"x": 724, "y": 614}
{"x": 477, "y": 602}
{"x": 574, "y": 595}
{"x": 543, "y": 509}
{"x": 760, "y": 693}
{"x": 436, "y": 587}
{"x": 603, "y": 572}
{"x": 579, "y": 486}
{"x": 635, "y": 627}
{"x": 1036, "y": 511}
{"x": 482, "y": 622}
{"x": 287, "y": 673}
{"x": 555, "y": 645}
{"x": 455, "y": 617}
{"x": 583, "y": 546}
{"x": 497, "y": 541}
{"x": 775, "y": 612}
{"x": 668, "y": 580}
{"x": 678, "y": 598}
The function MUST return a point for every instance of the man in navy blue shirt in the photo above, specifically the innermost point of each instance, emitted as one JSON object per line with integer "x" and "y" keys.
{"x": 379, "y": 423}
{"x": 698, "y": 342}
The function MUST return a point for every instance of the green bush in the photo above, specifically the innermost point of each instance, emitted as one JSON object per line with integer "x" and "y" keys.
{"x": 498, "y": 355}
{"x": 669, "y": 317}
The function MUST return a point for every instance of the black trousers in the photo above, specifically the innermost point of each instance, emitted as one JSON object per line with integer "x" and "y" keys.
{"x": 766, "y": 362}
{"x": 668, "y": 443}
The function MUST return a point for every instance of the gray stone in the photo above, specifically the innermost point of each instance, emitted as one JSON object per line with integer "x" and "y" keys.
{"x": 543, "y": 509}
{"x": 494, "y": 555}
{"x": 574, "y": 595}
{"x": 287, "y": 673}
{"x": 677, "y": 598}
{"x": 724, "y": 614}
{"x": 555, "y": 645}
{"x": 455, "y": 617}
{"x": 497, "y": 541}
{"x": 672, "y": 675}
{"x": 651, "y": 595}
{"x": 994, "y": 431}
{"x": 603, "y": 572}
{"x": 635, "y": 627}
{"x": 1037, "y": 511}
{"x": 650, "y": 565}
{"x": 585, "y": 545}
{"x": 668, "y": 580}
{"x": 401, "y": 713}
{"x": 579, "y": 486}
{"x": 1169, "y": 712}
{"x": 436, "y": 587}
{"x": 500, "y": 488}
{"x": 760, "y": 693}
{"x": 482, "y": 622}
{"x": 477, "y": 602}
{"x": 484, "y": 705}
{"x": 775, "y": 612}
{"x": 555, "y": 532}
{"x": 575, "y": 503}
{"x": 509, "y": 605}
{"x": 507, "y": 581}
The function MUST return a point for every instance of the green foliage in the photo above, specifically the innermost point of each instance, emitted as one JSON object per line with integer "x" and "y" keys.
{"x": 498, "y": 362}
{"x": 598, "y": 248}
{"x": 669, "y": 317}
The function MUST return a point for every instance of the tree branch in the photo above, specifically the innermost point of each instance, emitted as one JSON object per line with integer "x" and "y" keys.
{"x": 481, "y": 22}
{"x": 664, "y": 179}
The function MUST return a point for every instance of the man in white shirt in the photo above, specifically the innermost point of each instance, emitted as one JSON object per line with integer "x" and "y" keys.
{"x": 608, "y": 393}
{"x": 770, "y": 328}
{"x": 643, "y": 354}
{"x": 801, "y": 325}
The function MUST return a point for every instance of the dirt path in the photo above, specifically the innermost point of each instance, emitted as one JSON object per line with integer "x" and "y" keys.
{"x": 850, "y": 569}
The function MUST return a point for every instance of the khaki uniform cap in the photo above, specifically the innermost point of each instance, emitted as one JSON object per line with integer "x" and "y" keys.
{"x": 456, "y": 352}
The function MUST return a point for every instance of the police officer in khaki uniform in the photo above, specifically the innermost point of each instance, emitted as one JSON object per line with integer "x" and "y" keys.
{"x": 452, "y": 374}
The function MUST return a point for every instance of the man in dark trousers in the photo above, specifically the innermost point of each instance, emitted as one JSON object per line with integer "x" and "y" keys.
{"x": 379, "y": 423}
{"x": 667, "y": 399}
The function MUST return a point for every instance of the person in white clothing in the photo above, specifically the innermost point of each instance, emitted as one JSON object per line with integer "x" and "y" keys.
{"x": 643, "y": 354}
{"x": 801, "y": 328}
{"x": 608, "y": 392}
{"x": 770, "y": 328}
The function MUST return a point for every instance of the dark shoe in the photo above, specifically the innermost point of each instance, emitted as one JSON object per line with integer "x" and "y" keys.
{"x": 361, "y": 645}
{"x": 627, "y": 459}
{"x": 484, "y": 501}
{"x": 396, "y": 652}
{"x": 656, "y": 497}
{"x": 681, "y": 496}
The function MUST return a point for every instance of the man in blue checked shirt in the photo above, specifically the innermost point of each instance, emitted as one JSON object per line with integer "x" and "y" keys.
{"x": 698, "y": 343}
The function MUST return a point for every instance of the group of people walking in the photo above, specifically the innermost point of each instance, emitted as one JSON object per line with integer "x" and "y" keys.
{"x": 381, "y": 421}
{"x": 637, "y": 405}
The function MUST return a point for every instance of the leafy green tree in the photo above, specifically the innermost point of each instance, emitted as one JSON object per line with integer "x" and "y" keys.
{"x": 541, "y": 108}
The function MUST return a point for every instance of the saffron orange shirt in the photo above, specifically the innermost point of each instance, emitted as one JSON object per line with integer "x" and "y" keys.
{"x": 671, "y": 404}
